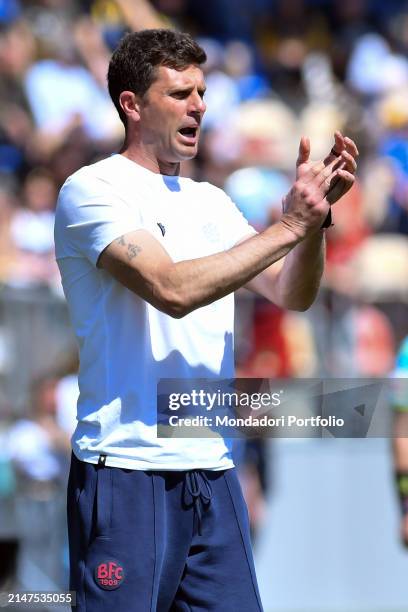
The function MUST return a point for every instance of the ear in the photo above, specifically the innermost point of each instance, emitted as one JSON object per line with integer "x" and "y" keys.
{"x": 130, "y": 105}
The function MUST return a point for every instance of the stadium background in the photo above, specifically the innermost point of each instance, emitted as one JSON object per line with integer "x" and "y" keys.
{"x": 324, "y": 512}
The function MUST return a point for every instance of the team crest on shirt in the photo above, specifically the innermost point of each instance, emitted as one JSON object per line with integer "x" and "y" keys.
{"x": 211, "y": 232}
{"x": 109, "y": 575}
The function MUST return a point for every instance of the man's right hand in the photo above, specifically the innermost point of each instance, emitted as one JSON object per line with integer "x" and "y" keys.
{"x": 306, "y": 206}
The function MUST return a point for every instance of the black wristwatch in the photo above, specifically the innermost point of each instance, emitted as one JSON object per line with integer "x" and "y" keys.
{"x": 328, "y": 221}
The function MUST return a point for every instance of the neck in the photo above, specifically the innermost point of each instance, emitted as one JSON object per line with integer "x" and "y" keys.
{"x": 147, "y": 159}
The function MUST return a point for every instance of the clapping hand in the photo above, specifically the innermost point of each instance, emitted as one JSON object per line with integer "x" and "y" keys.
{"x": 318, "y": 185}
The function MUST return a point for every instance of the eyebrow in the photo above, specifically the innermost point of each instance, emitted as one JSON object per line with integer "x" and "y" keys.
{"x": 187, "y": 88}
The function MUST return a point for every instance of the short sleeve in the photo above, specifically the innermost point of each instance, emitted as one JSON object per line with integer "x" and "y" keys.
{"x": 233, "y": 223}
{"x": 89, "y": 216}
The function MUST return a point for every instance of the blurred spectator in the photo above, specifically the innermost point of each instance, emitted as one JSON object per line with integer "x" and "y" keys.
{"x": 8, "y": 204}
{"x": 32, "y": 230}
{"x": 373, "y": 68}
{"x": 222, "y": 91}
{"x": 225, "y": 20}
{"x": 393, "y": 147}
{"x": 39, "y": 450}
{"x": 37, "y": 445}
{"x": 17, "y": 52}
{"x": 81, "y": 101}
{"x": 258, "y": 193}
{"x": 240, "y": 65}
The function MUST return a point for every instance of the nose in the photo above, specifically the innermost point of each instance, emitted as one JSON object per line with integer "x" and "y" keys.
{"x": 197, "y": 104}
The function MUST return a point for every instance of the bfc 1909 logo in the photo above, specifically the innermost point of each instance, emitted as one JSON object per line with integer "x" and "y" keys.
{"x": 109, "y": 574}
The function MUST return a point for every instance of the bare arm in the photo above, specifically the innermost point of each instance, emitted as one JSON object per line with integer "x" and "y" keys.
{"x": 139, "y": 262}
{"x": 294, "y": 281}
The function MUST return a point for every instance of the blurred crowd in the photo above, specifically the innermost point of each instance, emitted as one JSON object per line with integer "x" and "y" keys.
{"x": 276, "y": 70}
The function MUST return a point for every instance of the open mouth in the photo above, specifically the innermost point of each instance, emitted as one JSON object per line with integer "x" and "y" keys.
{"x": 188, "y": 132}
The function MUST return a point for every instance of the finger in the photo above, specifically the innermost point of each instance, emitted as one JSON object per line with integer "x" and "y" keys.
{"x": 339, "y": 143}
{"x": 350, "y": 162}
{"x": 340, "y": 186}
{"x": 320, "y": 173}
{"x": 338, "y": 147}
{"x": 347, "y": 176}
{"x": 351, "y": 147}
{"x": 337, "y": 191}
{"x": 329, "y": 183}
{"x": 327, "y": 180}
{"x": 304, "y": 151}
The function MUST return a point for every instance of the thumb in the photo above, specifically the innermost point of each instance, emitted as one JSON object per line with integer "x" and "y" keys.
{"x": 304, "y": 151}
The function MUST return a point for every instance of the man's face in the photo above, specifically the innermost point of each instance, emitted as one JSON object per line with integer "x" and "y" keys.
{"x": 171, "y": 113}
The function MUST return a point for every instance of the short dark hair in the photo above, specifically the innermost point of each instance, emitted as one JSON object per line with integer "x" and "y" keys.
{"x": 133, "y": 63}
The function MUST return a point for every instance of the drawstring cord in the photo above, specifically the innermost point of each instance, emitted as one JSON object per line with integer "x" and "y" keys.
{"x": 200, "y": 493}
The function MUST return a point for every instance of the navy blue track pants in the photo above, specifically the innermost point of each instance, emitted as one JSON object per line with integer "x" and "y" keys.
{"x": 159, "y": 541}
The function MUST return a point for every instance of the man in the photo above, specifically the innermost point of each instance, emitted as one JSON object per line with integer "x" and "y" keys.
{"x": 149, "y": 262}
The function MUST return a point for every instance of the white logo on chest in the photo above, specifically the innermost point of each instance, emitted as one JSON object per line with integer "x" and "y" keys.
{"x": 210, "y": 231}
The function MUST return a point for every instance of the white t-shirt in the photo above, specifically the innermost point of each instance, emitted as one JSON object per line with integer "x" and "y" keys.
{"x": 127, "y": 345}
